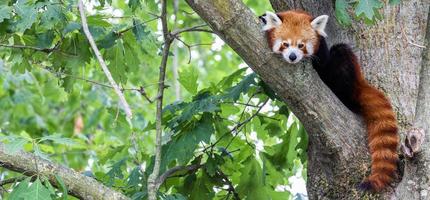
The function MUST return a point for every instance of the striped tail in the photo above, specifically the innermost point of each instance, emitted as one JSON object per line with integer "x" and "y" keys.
{"x": 382, "y": 136}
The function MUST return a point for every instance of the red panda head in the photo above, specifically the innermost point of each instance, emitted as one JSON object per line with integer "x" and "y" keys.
{"x": 294, "y": 34}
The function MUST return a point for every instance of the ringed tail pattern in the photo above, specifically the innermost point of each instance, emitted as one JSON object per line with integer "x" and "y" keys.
{"x": 382, "y": 132}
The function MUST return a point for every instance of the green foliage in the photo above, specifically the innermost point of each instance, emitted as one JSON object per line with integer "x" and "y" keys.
{"x": 366, "y": 10}
{"x": 56, "y": 103}
{"x": 188, "y": 78}
{"x": 341, "y": 9}
{"x": 34, "y": 191}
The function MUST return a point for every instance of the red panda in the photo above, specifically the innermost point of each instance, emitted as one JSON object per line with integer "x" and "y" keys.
{"x": 297, "y": 35}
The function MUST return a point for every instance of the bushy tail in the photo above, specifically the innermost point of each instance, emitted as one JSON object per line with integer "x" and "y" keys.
{"x": 382, "y": 136}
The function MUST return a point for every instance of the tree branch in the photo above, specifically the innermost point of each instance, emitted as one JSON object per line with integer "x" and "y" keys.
{"x": 335, "y": 133}
{"x": 197, "y": 28}
{"x": 152, "y": 179}
{"x": 12, "y": 180}
{"x": 416, "y": 170}
{"x": 173, "y": 170}
{"x": 78, "y": 185}
{"x": 46, "y": 50}
{"x": 231, "y": 188}
{"x": 105, "y": 69}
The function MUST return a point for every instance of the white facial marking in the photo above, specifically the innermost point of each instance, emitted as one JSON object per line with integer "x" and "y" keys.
{"x": 319, "y": 24}
{"x": 272, "y": 21}
{"x": 292, "y": 55}
{"x": 310, "y": 48}
{"x": 277, "y": 46}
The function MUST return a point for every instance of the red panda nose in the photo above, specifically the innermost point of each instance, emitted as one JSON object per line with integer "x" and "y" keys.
{"x": 292, "y": 56}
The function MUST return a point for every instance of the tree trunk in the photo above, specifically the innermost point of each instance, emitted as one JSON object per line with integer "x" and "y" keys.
{"x": 392, "y": 58}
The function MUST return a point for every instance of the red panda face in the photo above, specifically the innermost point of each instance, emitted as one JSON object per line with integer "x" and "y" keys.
{"x": 294, "y": 34}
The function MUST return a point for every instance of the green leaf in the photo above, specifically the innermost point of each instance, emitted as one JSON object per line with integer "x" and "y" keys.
{"x": 115, "y": 171}
{"x": 228, "y": 81}
{"x": 173, "y": 197}
{"x": 274, "y": 129}
{"x": 211, "y": 166}
{"x": 52, "y": 16}
{"x": 16, "y": 144}
{"x": 367, "y": 9}
{"x": 98, "y": 21}
{"x": 152, "y": 5}
{"x": 108, "y": 41}
{"x": 37, "y": 191}
{"x": 204, "y": 102}
{"x": 242, "y": 87}
{"x": 182, "y": 146}
{"x": 139, "y": 30}
{"x": 110, "y": 153}
{"x": 228, "y": 109}
{"x": 5, "y": 13}
{"x": 135, "y": 177}
{"x": 39, "y": 153}
{"x": 49, "y": 186}
{"x": 59, "y": 139}
{"x": 44, "y": 40}
{"x": 201, "y": 189}
{"x": 251, "y": 183}
{"x": 27, "y": 14}
{"x": 394, "y": 2}
{"x": 72, "y": 26}
{"x": 20, "y": 190}
{"x": 188, "y": 79}
{"x": 133, "y": 4}
{"x": 342, "y": 15}
{"x": 62, "y": 186}
{"x": 292, "y": 143}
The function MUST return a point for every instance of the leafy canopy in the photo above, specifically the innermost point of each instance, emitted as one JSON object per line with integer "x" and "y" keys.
{"x": 56, "y": 103}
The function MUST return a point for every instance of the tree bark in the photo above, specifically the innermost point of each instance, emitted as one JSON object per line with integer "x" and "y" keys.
{"x": 416, "y": 180}
{"x": 391, "y": 55}
{"x": 78, "y": 185}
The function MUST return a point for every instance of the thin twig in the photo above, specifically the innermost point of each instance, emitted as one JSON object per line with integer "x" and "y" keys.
{"x": 141, "y": 89}
{"x": 240, "y": 103}
{"x": 152, "y": 179}
{"x": 170, "y": 172}
{"x": 189, "y": 47}
{"x": 247, "y": 120}
{"x": 197, "y": 28}
{"x": 237, "y": 128}
{"x": 112, "y": 82}
{"x": 409, "y": 40}
{"x": 131, "y": 27}
{"x": 231, "y": 188}
{"x": 46, "y": 50}
{"x": 12, "y": 180}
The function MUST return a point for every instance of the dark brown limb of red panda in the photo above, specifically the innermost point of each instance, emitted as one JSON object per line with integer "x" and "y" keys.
{"x": 340, "y": 70}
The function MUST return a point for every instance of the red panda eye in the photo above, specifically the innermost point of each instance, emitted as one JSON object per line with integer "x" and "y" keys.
{"x": 286, "y": 44}
{"x": 301, "y": 46}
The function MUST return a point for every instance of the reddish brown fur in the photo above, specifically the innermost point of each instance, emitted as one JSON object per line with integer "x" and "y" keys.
{"x": 296, "y": 25}
{"x": 381, "y": 129}
{"x": 375, "y": 107}
{"x": 382, "y": 135}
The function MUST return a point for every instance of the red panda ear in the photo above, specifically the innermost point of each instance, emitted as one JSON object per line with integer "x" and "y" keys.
{"x": 319, "y": 23}
{"x": 270, "y": 20}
